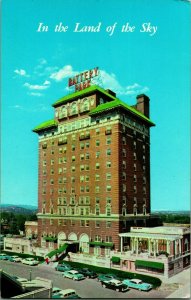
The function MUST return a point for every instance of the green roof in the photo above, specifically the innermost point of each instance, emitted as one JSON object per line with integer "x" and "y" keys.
{"x": 149, "y": 264}
{"x": 46, "y": 125}
{"x": 118, "y": 103}
{"x": 88, "y": 90}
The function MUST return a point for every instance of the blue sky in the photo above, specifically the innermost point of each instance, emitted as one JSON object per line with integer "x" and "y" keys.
{"x": 36, "y": 66}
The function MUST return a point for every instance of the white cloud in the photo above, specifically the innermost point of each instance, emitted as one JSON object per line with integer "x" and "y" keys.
{"x": 17, "y": 106}
{"x": 44, "y": 86}
{"x": 64, "y": 72}
{"x": 36, "y": 94}
{"x": 21, "y": 72}
{"x": 110, "y": 81}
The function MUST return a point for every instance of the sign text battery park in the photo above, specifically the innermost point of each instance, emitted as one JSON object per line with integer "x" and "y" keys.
{"x": 83, "y": 80}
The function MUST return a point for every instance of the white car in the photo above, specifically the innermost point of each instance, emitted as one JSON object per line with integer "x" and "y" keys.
{"x": 15, "y": 258}
{"x": 68, "y": 293}
{"x": 30, "y": 261}
{"x": 56, "y": 290}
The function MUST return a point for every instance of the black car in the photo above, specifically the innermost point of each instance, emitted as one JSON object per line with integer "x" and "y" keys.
{"x": 116, "y": 285}
{"x": 87, "y": 272}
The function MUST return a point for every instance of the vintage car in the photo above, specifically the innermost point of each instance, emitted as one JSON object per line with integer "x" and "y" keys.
{"x": 66, "y": 294}
{"x": 63, "y": 267}
{"x": 87, "y": 272}
{"x": 115, "y": 284}
{"x": 107, "y": 277}
{"x": 15, "y": 258}
{"x": 138, "y": 284}
{"x": 73, "y": 274}
{"x": 30, "y": 261}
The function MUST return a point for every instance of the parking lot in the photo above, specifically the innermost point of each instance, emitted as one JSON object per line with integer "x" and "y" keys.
{"x": 88, "y": 288}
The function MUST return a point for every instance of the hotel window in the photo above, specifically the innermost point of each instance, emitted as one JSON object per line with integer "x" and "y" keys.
{"x": 143, "y": 148}
{"x": 124, "y": 188}
{"x": 59, "y": 191}
{"x": 108, "y": 200}
{"x": 72, "y": 189}
{"x": 144, "y": 168}
{"x": 82, "y": 178}
{"x": 87, "y": 144}
{"x": 97, "y": 166}
{"x": 87, "y": 223}
{"x": 135, "y": 178}
{"x": 108, "y": 151}
{"x": 87, "y": 189}
{"x": 72, "y": 222}
{"x": 87, "y": 167}
{"x": 134, "y": 156}
{"x": 64, "y": 222}
{"x": 97, "y": 143}
{"x": 43, "y": 210}
{"x": 44, "y": 182}
{"x": 87, "y": 211}
{"x": 44, "y": 163}
{"x": 52, "y": 161}
{"x": 87, "y": 200}
{"x": 73, "y": 169}
{"x": 73, "y": 147}
{"x": 143, "y": 158}
{"x": 51, "y": 181}
{"x": 135, "y": 200}
{"x": 64, "y": 211}
{"x": 108, "y": 211}
{"x": 60, "y": 160}
{"x": 73, "y": 135}
{"x": 59, "y": 222}
{"x": 64, "y": 170}
{"x": 59, "y": 211}
{"x": 97, "y": 154}
{"x": 72, "y": 211}
{"x": 87, "y": 178}
{"x": 108, "y": 224}
{"x": 123, "y": 211}
{"x": 97, "y": 131}
{"x": 52, "y": 171}
{"x": 82, "y": 146}
{"x": 97, "y": 238}
{"x": 134, "y": 145}
{"x": 72, "y": 179}
{"x": 124, "y": 176}
{"x": 44, "y": 172}
{"x": 124, "y": 200}
{"x": 124, "y": 153}
{"x": 51, "y": 191}
{"x": 124, "y": 141}
{"x": 81, "y": 167}
{"x": 60, "y": 180}
{"x": 60, "y": 150}
{"x": 108, "y": 239}
{"x": 64, "y": 201}
{"x": 144, "y": 209}
{"x": 87, "y": 156}
{"x": 72, "y": 200}
{"x": 108, "y": 164}
{"x": 97, "y": 177}
{"x": 82, "y": 156}
{"x": 135, "y": 189}
{"x": 81, "y": 211}
{"x": 97, "y": 211}
{"x": 97, "y": 189}
{"x": 52, "y": 151}
{"x": 59, "y": 170}
{"x": 73, "y": 158}
{"x": 108, "y": 130}
{"x": 65, "y": 149}
{"x": 97, "y": 200}
{"x": 108, "y": 176}
{"x": 64, "y": 160}
{"x": 82, "y": 223}
{"x": 135, "y": 210}
{"x": 144, "y": 179}
{"x": 108, "y": 141}
{"x": 64, "y": 190}
{"x": 124, "y": 164}
{"x": 135, "y": 167}
{"x": 97, "y": 224}
{"x": 44, "y": 192}
{"x": 144, "y": 190}
{"x": 108, "y": 188}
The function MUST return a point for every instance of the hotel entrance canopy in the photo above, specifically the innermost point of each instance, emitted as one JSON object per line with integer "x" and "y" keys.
{"x": 154, "y": 236}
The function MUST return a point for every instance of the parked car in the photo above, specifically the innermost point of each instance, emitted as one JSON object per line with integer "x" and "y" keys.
{"x": 107, "y": 277}
{"x": 30, "y": 261}
{"x": 73, "y": 274}
{"x": 87, "y": 272}
{"x": 55, "y": 290}
{"x": 4, "y": 256}
{"x": 115, "y": 284}
{"x": 66, "y": 294}
{"x": 138, "y": 284}
{"x": 20, "y": 279}
{"x": 63, "y": 267}
{"x": 15, "y": 258}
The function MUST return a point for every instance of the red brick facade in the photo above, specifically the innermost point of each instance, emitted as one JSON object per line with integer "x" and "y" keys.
{"x": 94, "y": 171}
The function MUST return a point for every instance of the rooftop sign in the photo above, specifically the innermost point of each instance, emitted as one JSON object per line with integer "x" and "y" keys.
{"x": 82, "y": 81}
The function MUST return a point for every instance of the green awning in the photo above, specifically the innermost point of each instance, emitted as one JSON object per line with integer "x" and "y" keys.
{"x": 104, "y": 244}
{"x": 149, "y": 264}
{"x": 57, "y": 251}
{"x": 115, "y": 259}
{"x": 50, "y": 239}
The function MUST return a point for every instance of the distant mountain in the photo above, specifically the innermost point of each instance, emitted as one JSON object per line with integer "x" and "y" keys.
{"x": 173, "y": 212}
{"x": 19, "y": 209}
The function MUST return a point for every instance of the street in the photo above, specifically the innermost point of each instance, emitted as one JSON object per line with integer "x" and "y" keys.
{"x": 88, "y": 288}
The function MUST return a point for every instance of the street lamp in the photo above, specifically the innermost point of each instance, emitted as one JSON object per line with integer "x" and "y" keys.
{"x": 30, "y": 275}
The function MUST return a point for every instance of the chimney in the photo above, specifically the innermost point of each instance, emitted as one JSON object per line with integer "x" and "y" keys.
{"x": 143, "y": 104}
{"x": 111, "y": 92}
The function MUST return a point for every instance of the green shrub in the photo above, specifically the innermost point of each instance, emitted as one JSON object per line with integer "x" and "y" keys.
{"x": 156, "y": 282}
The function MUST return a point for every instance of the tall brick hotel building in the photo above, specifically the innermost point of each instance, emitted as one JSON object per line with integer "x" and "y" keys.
{"x": 94, "y": 171}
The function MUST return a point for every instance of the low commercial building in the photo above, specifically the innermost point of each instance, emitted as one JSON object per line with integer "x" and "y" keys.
{"x": 19, "y": 245}
{"x": 163, "y": 250}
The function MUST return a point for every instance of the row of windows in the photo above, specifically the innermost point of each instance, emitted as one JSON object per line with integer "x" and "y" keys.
{"x": 83, "y": 211}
